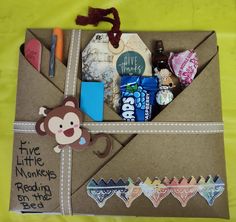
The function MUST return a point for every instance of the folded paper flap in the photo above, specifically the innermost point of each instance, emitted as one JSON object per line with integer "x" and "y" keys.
{"x": 200, "y": 101}
{"x": 33, "y": 91}
{"x": 169, "y": 207}
{"x": 60, "y": 68}
{"x": 205, "y": 148}
{"x": 206, "y": 50}
{"x": 165, "y": 155}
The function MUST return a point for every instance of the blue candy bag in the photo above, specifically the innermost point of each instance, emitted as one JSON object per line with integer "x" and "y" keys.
{"x": 138, "y": 95}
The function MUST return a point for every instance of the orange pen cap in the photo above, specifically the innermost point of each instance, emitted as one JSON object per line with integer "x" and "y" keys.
{"x": 59, "y": 45}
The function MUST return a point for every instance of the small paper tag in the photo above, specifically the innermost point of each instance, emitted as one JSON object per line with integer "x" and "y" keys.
{"x": 102, "y": 62}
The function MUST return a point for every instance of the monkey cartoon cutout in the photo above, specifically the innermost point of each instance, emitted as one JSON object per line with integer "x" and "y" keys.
{"x": 64, "y": 123}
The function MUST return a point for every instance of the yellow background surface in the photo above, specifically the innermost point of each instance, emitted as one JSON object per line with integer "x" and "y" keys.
{"x": 17, "y": 15}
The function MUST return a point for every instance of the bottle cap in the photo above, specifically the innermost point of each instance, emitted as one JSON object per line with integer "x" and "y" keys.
{"x": 159, "y": 45}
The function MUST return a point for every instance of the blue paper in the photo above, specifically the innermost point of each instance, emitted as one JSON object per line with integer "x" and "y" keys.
{"x": 92, "y": 99}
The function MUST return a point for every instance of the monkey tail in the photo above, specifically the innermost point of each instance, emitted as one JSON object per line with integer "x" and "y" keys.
{"x": 108, "y": 149}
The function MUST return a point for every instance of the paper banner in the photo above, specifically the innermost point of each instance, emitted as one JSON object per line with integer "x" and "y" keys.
{"x": 156, "y": 190}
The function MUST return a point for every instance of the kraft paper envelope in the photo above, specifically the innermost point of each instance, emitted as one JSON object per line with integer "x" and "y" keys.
{"x": 133, "y": 155}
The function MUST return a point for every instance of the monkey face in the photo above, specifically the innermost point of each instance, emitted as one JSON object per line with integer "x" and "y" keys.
{"x": 67, "y": 129}
{"x": 62, "y": 122}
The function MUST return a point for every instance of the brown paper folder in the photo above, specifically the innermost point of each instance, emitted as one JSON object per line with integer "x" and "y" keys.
{"x": 133, "y": 155}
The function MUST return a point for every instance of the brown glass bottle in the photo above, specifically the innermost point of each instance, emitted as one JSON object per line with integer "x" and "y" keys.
{"x": 159, "y": 58}
{"x": 159, "y": 62}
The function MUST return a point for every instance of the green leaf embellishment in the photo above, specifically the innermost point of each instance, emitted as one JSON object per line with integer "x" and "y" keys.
{"x": 129, "y": 88}
{"x": 132, "y": 88}
{"x": 135, "y": 87}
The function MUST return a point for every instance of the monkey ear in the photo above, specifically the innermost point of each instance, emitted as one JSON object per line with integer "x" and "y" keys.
{"x": 70, "y": 101}
{"x": 39, "y": 127}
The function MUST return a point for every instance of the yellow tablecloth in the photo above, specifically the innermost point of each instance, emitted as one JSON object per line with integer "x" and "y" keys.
{"x": 16, "y": 16}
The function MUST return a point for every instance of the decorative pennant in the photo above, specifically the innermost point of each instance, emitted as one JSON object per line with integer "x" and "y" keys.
{"x": 155, "y": 190}
{"x": 101, "y": 191}
{"x": 102, "y": 62}
{"x": 130, "y": 192}
{"x": 210, "y": 189}
{"x": 183, "y": 190}
{"x": 122, "y": 190}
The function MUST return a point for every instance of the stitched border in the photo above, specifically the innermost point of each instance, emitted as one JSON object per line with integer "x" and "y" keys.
{"x": 76, "y": 65}
{"x": 159, "y": 131}
{"x": 152, "y": 127}
{"x": 69, "y": 181}
{"x": 143, "y": 131}
{"x": 69, "y": 64}
{"x": 137, "y": 124}
{"x": 61, "y": 187}
{"x": 69, "y": 156}
{"x": 150, "y": 123}
{"x": 24, "y": 123}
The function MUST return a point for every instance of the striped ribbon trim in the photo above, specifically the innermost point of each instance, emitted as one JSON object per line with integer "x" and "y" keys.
{"x": 138, "y": 127}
